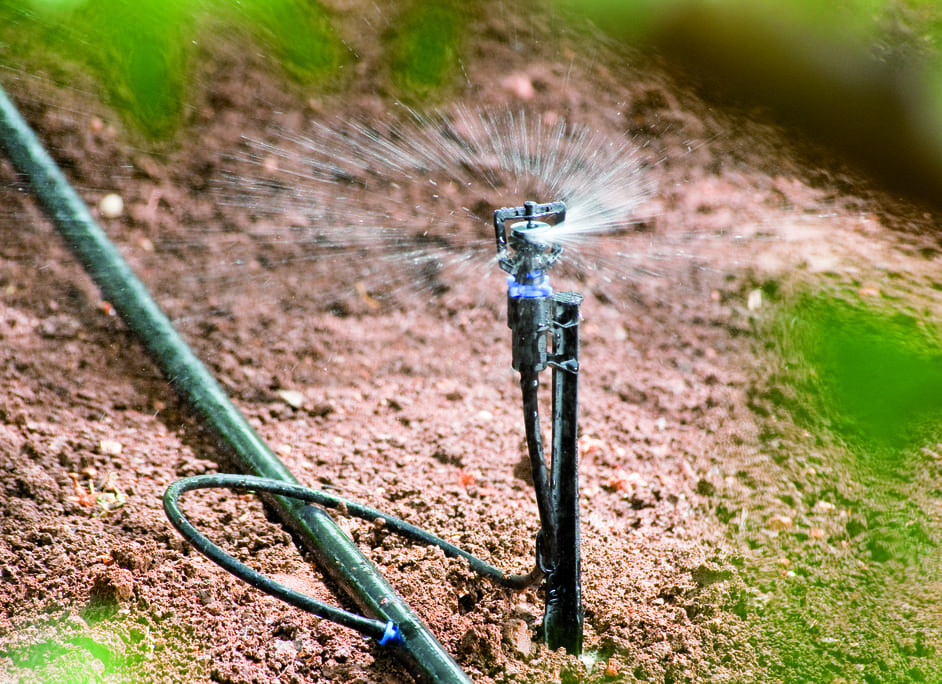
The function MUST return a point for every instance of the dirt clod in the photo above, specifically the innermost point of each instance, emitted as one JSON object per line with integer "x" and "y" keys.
{"x": 115, "y": 585}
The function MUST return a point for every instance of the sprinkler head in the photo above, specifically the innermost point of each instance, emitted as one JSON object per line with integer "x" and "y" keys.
{"x": 525, "y": 256}
{"x": 529, "y": 295}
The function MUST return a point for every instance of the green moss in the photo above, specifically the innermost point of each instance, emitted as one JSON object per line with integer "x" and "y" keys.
{"x": 139, "y": 53}
{"x": 300, "y": 35}
{"x": 425, "y": 48}
{"x": 872, "y": 375}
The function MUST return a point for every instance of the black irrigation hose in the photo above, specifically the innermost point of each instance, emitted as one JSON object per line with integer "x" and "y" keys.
{"x": 337, "y": 556}
{"x": 384, "y": 632}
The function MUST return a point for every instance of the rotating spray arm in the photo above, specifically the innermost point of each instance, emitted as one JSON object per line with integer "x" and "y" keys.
{"x": 530, "y": 257}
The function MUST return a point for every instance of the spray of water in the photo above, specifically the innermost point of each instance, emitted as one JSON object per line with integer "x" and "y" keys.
{"x": 410, "y": 198}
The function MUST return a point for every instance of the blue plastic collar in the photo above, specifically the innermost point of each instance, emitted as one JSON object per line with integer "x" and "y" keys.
{"x": 538, "y": 288}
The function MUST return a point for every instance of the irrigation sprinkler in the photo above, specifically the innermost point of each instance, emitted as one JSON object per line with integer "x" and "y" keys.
{"x": 535, "y": 314}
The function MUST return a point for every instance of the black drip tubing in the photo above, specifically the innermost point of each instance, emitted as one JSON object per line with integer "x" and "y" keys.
{"x": 383, "y": 632}
{"x": 336, "y": 554}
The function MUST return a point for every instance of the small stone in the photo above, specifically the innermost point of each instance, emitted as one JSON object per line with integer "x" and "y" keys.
{"x": 779, "y": 523}
{"x": 611, "y": 668}
{"x": 111, "y": 205}
{"x": 516, "y": 636}
{"x": 110, "y": 447}
{"x": 292, "y": 398}
{"x": 589, "y": 445}
{"x": 520, "y": 85}
{"x": 754, "y": 302}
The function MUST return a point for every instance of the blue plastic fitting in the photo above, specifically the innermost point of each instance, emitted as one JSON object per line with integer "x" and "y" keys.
{"x": 539, "y": 287}
{"x": 392, "y": 635}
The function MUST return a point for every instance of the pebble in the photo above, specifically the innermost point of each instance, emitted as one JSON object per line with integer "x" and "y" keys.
{"x": 292, "y": 398}
{"x": 754, "y": 302}
{"x": 516, "y": 635}
{"x": 111, "y": 205}
{"x": 520, "y": 85}
{"x": 778, "y": 523}
{"x": 611, "y": 668}
{"x": 115, "y": 585}
{"x": 110, "y": 447}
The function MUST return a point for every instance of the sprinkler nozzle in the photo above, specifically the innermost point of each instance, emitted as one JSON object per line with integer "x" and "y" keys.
{"x": 524, "y": 256}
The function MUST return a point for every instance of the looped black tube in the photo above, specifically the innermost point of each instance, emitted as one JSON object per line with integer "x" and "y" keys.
{"x": 383, "y": 632}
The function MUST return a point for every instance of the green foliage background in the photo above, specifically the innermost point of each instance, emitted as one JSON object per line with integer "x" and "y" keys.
{"x": 140, "y": 54}
{"x": 860, "y": 70}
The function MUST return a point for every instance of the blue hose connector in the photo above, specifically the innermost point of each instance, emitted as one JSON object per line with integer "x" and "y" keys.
{"x": 539, "y": 286}
{"x": 391, "y": 636}
{"x": 529, "y": 313}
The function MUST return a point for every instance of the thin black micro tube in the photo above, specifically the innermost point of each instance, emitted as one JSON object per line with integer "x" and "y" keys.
{"x": 384, "y": 633}
{"x": 336, "y": 555}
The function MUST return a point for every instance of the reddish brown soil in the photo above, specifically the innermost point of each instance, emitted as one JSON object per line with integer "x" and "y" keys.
{"x": 407, "y": 402}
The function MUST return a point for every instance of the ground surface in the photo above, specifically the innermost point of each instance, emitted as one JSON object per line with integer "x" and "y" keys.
{"x": 726, "y": 537}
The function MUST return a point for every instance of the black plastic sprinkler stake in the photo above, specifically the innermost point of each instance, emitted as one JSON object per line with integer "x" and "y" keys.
{"x": 337, "y": 556}
{"x": 564, "y": 615}
{"x": 535, "y": 314}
